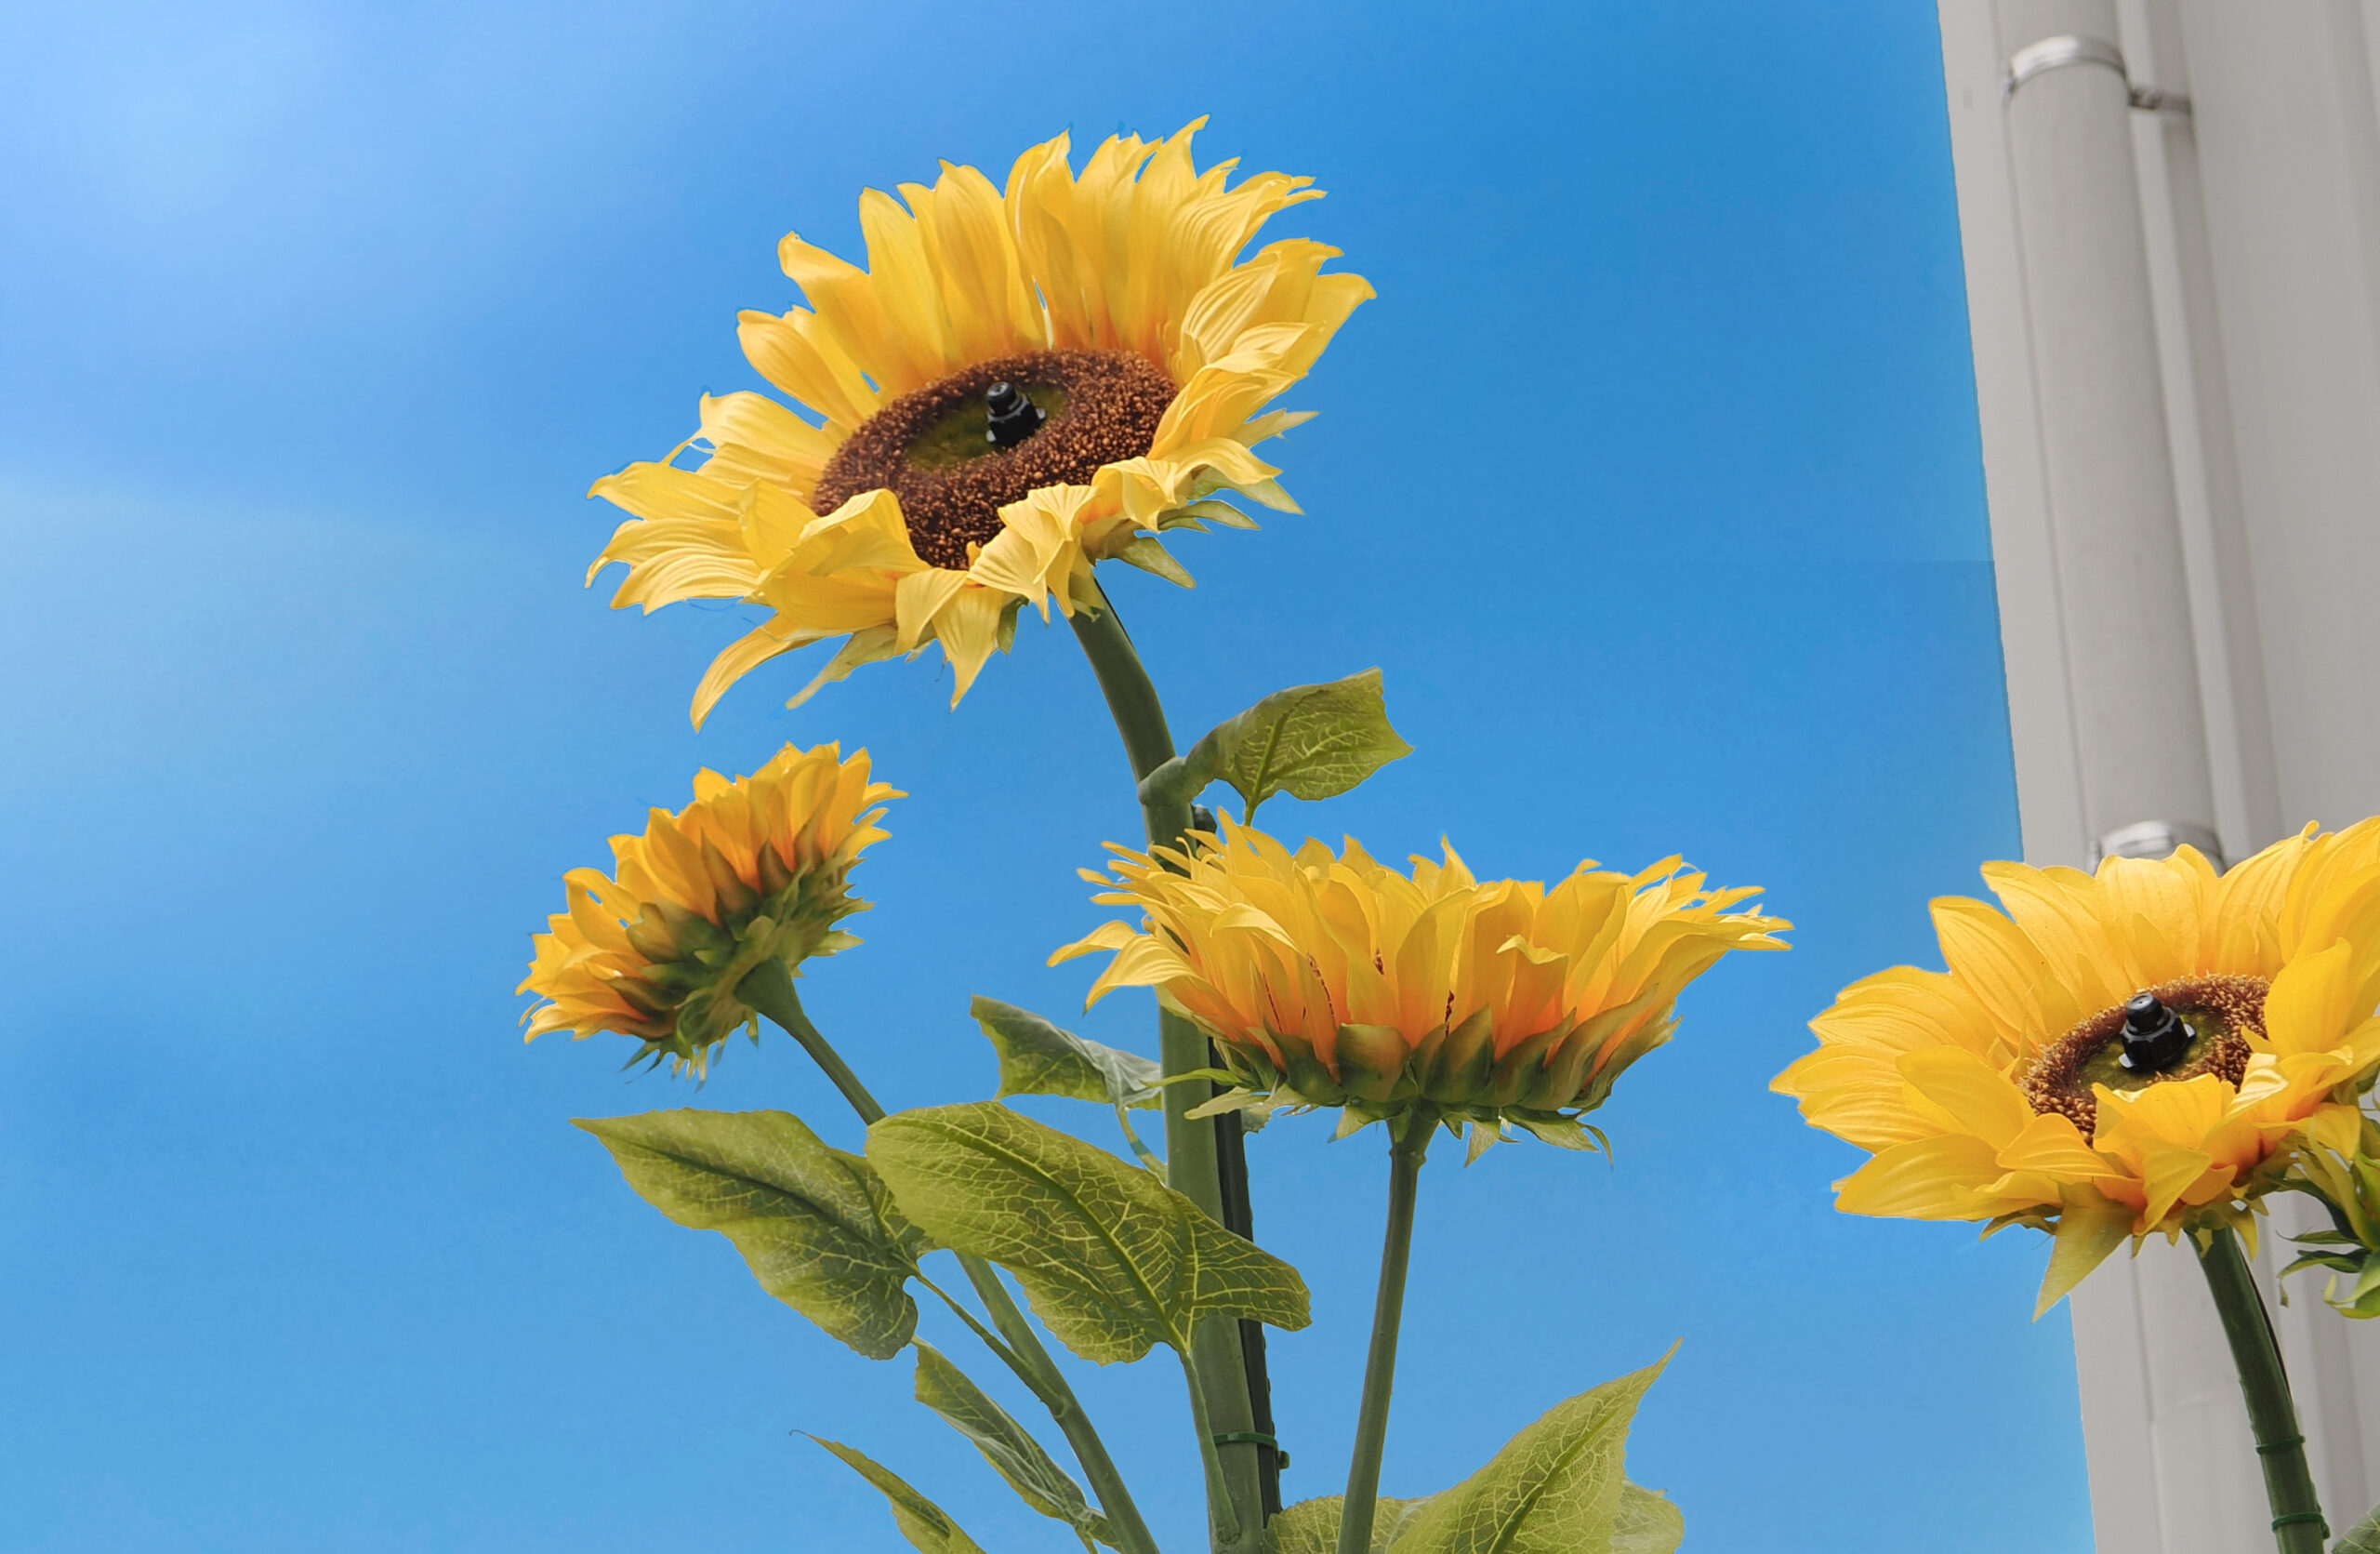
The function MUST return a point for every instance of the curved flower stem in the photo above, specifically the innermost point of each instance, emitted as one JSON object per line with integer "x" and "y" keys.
{"x": 1404, "y": 1152}
{"x": 770, "y": 990}
{"x": 2298, "y": 1524}
{"x": 1224, "y": 1367}
{"x": 1223, "y": 1523}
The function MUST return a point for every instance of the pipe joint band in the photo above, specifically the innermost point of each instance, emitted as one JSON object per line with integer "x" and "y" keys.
{"x": 2079, "y": 48}
{"x": 2157, "y": 838}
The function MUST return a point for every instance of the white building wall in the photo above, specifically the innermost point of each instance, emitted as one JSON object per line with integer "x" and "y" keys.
{"x": 2260, "y": 211}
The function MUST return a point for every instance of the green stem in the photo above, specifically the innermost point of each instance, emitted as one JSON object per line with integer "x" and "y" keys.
{"x": 770, "y": 990}
{"x": 1404, "y": 1152}
{"x": 1192, "y": 1167}
{"x": 1223, "y": 1521}
{"x": 1140, "y": 716}
{"x": 2298, "y": 1524}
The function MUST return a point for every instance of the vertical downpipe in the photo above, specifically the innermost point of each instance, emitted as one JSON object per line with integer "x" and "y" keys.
{"x": 2142, "y": 766}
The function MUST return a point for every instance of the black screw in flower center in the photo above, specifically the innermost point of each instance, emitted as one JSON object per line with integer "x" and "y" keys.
{"x": 1012, "y": 417}
{"x": 2154, "y": 1037}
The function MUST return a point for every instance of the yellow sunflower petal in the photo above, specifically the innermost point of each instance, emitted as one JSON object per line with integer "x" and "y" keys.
{"x": 1928, "y": 1178}
{"x": 1991, "y": 957}
{"x": 969, "y": 628}
{"x": 1139, "y": 256}
{"x": 1966, "y": 1093}
{"x": 2308, "y": 1008}
{"x": 737, "y": 660}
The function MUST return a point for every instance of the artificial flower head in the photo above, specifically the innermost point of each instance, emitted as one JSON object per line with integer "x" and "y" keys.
{"x": 2136, "y": 1050}
{"x": 756, "y": 870}
{"x": 1329, "y": 979}
{"x": 1019, "y": 384}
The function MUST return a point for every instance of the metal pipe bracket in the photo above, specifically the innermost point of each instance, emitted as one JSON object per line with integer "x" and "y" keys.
{"x": 2077, "y": 48}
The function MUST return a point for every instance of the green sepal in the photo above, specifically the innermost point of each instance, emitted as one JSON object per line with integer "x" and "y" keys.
{"x": 1595, "y": 1032}
{"x": 1112, "y": 1261}
{"x": 815, "y": 1224}
{"x": 1018, "y": 1458}
{"x": 1460, "y": 1065}
{"x": 698, "y": 967}
{"x": 1371, "y": 1060}
{"x": 926, "y": 1525}
{"x": 2340, "y": 1262}
{"x": 1519, "y": 1072}
{"x": 1309, "y": 741}
{"x": 1212, "y": 511}
{"x": 1148, "y": 553}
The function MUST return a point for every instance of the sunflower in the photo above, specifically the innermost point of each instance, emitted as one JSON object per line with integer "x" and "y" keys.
{"x": 1329, "y": 979}
{"x": 2137, "y": 1051}
{"x": 1018, "y": 386}
{"x": 755, "y": 870}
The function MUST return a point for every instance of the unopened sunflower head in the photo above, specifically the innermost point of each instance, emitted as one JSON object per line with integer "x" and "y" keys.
{"x": 2137, "y": 1051}
{"x": 1329, "y": 979}
{"x": 756, "y": 870}
{"x": 1019, "y": 384}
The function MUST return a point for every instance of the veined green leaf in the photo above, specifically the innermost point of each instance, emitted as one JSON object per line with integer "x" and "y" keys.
{"x": 1037, "y": 1059}
{"x": 814, "y": 1223}
{"x": 1309, "y": 741}
{"x": 925, "y": 1524}
{"x": 1312, "y": 1526}
{"x": 1647, "y": 1522}
{"x": 1112, "y": 1261}
{"x": 1555, "y": 1488}
{"x": 2361, "y": 1538}
{"x": 1014, "y": 1454}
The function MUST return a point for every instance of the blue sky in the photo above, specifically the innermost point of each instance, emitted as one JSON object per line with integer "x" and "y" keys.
{"x": 1650, "y": 481}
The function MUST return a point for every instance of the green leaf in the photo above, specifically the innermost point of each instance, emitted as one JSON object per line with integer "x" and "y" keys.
{"x": 1647, "y": 1522}
{"x": 1554, "y": 1488}
{"x": 1309, "y": 741}
{"x": 1113, "y": 1260}
{"x": 1037, "y": 1059}
{"x": 1312, "y": 1526}
{"x": 925, "y": 1524}
{"x": 815, "y": 1224}
{"x": 1014, "y": 1454}
{"x": 2361, "y": 1538}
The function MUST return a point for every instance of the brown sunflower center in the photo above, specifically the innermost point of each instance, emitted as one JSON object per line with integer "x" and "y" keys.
{"x": 960, "y": 449}
{"x": 2216, "y": 1015}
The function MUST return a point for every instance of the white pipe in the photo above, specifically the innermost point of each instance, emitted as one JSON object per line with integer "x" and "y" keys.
{"x": 2123, "y": 597}
{"x": 2170, "y": 1468}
